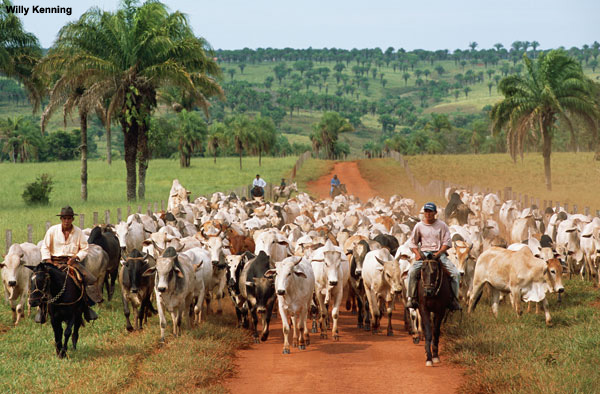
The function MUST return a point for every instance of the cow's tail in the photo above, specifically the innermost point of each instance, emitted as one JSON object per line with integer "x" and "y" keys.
{"x": 478, "y": 297}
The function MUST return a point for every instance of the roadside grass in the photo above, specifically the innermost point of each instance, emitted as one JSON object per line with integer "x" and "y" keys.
{"x": 386, "y": 176}
{"x": 107, "y": 191}
{"x": 109, "y": 359}
{"x": 575, "y": 176}
{"x": 522, "y": 355}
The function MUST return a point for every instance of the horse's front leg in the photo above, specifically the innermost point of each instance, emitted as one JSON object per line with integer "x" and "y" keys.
{"x": 426, "y": 321}
{"x": 75, "y": 337}
{"x": 58, "y": 332}
{"x": 68, "y": 332}
{"x": 437, "y": 325}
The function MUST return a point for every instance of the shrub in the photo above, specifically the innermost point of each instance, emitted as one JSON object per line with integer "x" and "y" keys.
{"x": 38, "y": 192}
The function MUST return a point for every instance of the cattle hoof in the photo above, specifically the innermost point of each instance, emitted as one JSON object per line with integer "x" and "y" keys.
{"x": 429, "y": 364}
{"x": 416, "y": 340}
{"x": 161, "y": 341}
{"x": 129, "y": 328}
{"x": 436, "y": 360}
{"x": 286, "y": 351}
{"x": 256, "y": 340}
{"x": 336, "y": 337}
{"x": 264, "y": 337}
{"x": 295, "y": 345}
{"x": 390, "y": 333}
{"x": 302, "y": 347}
{"x": 359, "y": 326}
{"x": 323, "y": 336}
{"x": 367, "y": 327}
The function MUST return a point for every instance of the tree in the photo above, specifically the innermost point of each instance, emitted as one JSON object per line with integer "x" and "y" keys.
{"x": 240, "y": 134}
{"x": 388, "y": 123}
{"x": 593, "y": 64}
{"x": 553, "y": 88}
{"x": 328, "y": 129}
{"x": 473, "y": 45}
{"x": 269, "y": 82}
{"x": 490, "y": 86}
{"x": 281, "y": 71}
{"x": 242, "y": 66}
{"x": 216, "y": 138}
{"x": 231, "y": 72}
{"x": 498, "y": 46}
{"x": 190, "y": 135}
{"x": 265, "y": 135}
{"x": 438, "y": 123}
{"x": 127, "y": 56}
{"x": 466, "y": 89}
{"x": 406, "y": 76}
{"x": 534, "y": 45}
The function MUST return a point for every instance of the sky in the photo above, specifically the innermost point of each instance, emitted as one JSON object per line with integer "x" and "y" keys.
{"x": 430, "y": 25}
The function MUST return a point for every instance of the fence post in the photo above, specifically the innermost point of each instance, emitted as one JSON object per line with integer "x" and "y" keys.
{"x": 566, "y": 207}
{"x": 107, "y": 216}
{"x": 557, "y": 206}
{"x": 119, "y": 216}
{"x": 162, "y": 205}
{"x": 29, "y": 233}
{"x": 550, "y": 204}
{"x": 128, "y": 210}
{"x": 95, "y": 218}
{"x": 155, "y": 207}
{"x": 139, "y": 209}
{"x": 507, "y": 193}
{"x": 598, "y": 213}
{"x": 526, "y": 202}
{"x": 586, "y": 211}
{"x": 48, "y": 226}
{"x": 149, "y": 210}
{"x": 574, "y": 208}
{"x": 82, "y": 221}
{"x": 8, "y": 239}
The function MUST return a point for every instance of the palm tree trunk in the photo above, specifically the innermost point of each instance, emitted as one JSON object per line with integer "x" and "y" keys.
{"x": 108, "y": 146}
{"x": 546, "y": 151}
{"x": 240, "y": 160}
{"x": 215, "y": 159}
{"x": 130, "y": 142}
{"x": 259, "y": 158}
{"x": 144, "y": 156}
{"x": 84, "y": 175}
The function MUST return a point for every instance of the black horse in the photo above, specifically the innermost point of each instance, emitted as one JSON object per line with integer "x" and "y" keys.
{"x": 257, "y": 192}
{"x": 55, "y": 291}
{"x": 435, "y": 296}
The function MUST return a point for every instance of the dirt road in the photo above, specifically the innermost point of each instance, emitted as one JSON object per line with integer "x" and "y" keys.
{"x": 358, "y": 363}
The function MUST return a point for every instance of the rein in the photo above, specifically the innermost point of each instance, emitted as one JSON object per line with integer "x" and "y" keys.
{"x": 53, "y": 300}
{"x": 438, "y": 279}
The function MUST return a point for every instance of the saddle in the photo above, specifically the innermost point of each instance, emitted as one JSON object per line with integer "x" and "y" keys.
{"x": 60, "y": 262}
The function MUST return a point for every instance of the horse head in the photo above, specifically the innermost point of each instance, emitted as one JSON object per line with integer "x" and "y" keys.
{"x": 39, "y": 288}
{"x": 431, "y": 276}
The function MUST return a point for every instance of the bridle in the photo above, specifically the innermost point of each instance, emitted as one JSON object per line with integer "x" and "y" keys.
{"x": 45, "y": 298}
{"x": 437, "y": 284}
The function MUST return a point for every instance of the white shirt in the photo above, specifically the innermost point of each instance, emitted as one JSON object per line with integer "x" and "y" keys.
{"x": 54, "y": 243}
{"x": 259, "y": 182}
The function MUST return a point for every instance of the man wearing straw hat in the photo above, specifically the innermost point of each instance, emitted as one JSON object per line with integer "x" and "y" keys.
{"x": 65, "y": 243}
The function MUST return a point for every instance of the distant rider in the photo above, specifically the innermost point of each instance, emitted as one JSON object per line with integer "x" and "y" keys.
{"x": 259, "y": 182}
{"x": 282, "y": 184}
{"x": 335, "y": 182}
{"x": 433, "y": 236}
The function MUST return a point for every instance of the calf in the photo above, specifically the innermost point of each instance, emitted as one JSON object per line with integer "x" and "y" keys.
{"x": 518, "y": 273}
{"x": 259, "y": 291}
{"x": 294, "y": 284}
{"x": 16, "y": 277}
{"x": 331, "y": 270}
{"x": 174, "y": 288}
{"x": 382, "y": 281}
{"x": 135, "y": 287}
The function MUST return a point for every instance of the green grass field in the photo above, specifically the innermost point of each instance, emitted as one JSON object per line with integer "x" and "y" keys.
{"x": 106, "y": 187}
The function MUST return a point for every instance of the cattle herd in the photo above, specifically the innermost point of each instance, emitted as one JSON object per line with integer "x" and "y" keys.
{"x": 311, "y": 256}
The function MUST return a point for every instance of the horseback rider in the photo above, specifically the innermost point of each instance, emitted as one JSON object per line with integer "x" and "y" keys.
{"x": 64, "y": 243}
{"x": 260, "y": 183}
{"x": 335, "y": 182}
{"x": 282, "y": 184}
{"x": 431, "y": 236}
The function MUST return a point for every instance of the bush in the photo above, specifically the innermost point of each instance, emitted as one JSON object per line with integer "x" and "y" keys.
{"x": 38, "y": 192}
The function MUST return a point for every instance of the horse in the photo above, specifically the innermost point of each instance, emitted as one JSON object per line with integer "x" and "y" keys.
{"x": 257, "y": 193}
{"x": 435, "y": 296}
{"x": 339, "y": 189}
{"x": 54, "y": 290}
{"x": 286, "y": 192}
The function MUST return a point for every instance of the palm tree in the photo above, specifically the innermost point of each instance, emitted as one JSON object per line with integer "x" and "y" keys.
{"x": 265, "y": 135}
{"x": 216, "y": 137}
{"x": 406, "y": 76}
{"x": 19, "y": 52}
{"x": 190, "y": 135}
{"x": 329, "y": 127}
{"x": 490, "y": 86}
{"x": 554, "y": 88}
{"x": 317, "y": 142}
{"x": 240, "y": 134}
{"x": 127, "y": 56}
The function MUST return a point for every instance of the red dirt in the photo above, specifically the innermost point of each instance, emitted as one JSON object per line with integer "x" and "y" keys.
{"x": 359, "y": 362}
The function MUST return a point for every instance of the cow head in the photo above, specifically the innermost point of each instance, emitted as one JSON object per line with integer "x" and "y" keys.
{"x": 286, "y": 271}
{"x": 134, "y": 267}
{"x": 12, "y": 264}
{"x": 391, "y": 274}
{"x": 167, "y": 268}
{"x": 553, "y": 273}
{"x": 359, "y": 252}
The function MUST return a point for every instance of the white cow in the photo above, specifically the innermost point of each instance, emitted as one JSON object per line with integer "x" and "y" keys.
{"x": 130, "y": 235}
{"x": 382, "y": 281}
{"x": 273, "y": 243}
{"x": 590, "y": 246}
{"x": 200, "y": 260}
{"x": 177, "y": 195}
{"x": 174, "y": 288}
{"x": 294, "y": 285}
{"x": 16, "y": 277}
{"x": 331, "y": 269}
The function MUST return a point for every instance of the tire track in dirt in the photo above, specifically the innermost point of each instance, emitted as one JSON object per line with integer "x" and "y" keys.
{"x": 359, "y": 362}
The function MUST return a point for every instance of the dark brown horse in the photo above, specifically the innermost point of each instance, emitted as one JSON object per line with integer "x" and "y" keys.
{"x": 435, "y": 296}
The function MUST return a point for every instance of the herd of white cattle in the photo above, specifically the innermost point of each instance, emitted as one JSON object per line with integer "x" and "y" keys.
{"x": 309, "y": 254}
